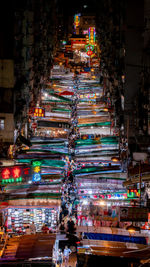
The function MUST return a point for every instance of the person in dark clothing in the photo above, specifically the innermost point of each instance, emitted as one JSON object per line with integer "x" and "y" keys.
{"x": 71, "y": 226}
{"x": 60, "y": 216}
{"x": 71, "y": 177}
{"x": 62, "y": 227}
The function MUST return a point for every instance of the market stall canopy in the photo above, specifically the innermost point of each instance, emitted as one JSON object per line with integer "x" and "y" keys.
{"x": 66, "y": 93}
{"x": 29, "y": 246}
{"x": 60, "y": 97}
{"x": 96, "y": 169}
{"x": 36, "y": 202}
{"x": 45, "y": 162}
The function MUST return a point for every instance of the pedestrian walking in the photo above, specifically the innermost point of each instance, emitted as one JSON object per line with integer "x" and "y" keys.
{"x": 70, "y": 209}
{"x": 67, "y": 252}
{"x": 70, "y": 226}
{"x": 33, "y": 228}
{"x": 62, "y": 227}
{"x": 60, "y": 258}
{"x": 28, "y": 230}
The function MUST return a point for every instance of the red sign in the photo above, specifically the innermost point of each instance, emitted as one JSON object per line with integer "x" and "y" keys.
{"x": 89, "y": 53}
{"x": 14, "y": 172}
{"x": 6, "y": 173}
{"x": 34, "y": 125}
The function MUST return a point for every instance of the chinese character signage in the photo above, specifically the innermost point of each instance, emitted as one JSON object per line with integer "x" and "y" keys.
{"x": 53, "y": 124}
{"x": 36, "y": 171}
{"x": 76, "y": 20}
{"x": 39, "y": 112}
{"x": 92, "y": 35}
{"x": 14, "y": 174}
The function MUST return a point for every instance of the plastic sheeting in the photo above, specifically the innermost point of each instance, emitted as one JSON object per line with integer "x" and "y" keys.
{"x": 117, "y": 238}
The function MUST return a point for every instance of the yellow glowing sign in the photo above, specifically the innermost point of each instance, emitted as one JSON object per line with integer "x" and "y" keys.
{"x": 76, "y": 21}
{"x": 92, "y": 35}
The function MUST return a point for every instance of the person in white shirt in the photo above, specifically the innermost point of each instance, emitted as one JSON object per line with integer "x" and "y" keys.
{"x": 67, "y": 252}
{"x": 28, "y": 231}
{"x": 33, "y": 228}
{"x": 60, "y": 258}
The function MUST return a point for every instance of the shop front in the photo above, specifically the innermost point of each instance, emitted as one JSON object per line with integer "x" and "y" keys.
{"x": 21, "y": 213}
{"x": 18, "y": 218}
{"x": 100, "y": 213}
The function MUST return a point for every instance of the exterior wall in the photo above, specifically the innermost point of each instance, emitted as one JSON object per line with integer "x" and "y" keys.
{"x": 86, "y": 22}
{"x": 147, "y": 52}
{"x": 7, "y": 135}
{"x": 7, "y": 73}
{"x": 133, "y": 58}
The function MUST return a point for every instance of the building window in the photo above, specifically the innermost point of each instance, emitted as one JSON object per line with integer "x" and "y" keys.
{"x": 2, "y": 124}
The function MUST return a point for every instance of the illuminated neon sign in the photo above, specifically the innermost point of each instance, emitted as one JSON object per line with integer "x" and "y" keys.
{"x": 89, "y": 47}
{"x": 90, "y": 53}
{"x": 76, "y": 20}
{"x": 14, "y": 174}
{"x": 36, "y": 171}
{"x": 92, "y": 35}
{"x": 133, "y": 193}
{"x": 39, "y": 112}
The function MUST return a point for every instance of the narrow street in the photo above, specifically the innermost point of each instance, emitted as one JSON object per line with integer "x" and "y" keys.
{"x": 75, "y": 133}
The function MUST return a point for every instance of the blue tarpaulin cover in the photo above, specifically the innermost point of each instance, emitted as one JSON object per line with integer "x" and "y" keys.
{"x": 118, "y": 238}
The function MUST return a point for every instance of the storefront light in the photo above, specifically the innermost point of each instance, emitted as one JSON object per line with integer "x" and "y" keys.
{"x": 115, "y": 159}
{"x": 102, "y": 203}
{"x": 85, "y": 202}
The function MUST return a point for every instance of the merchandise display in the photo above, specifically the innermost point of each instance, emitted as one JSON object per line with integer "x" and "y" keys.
{"x": 18, "y": 219}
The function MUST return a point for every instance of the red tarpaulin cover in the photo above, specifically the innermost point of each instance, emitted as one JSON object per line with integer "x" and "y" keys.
{"x": 66, "y": 93}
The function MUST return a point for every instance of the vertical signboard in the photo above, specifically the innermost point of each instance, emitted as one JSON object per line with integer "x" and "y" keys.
{"x": 36, "y": 171}
{"x": 92, "y": 35}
